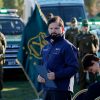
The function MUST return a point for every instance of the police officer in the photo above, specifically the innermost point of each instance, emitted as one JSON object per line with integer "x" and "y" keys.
{"x": 71, "y": 33}
{"x": 86, "y": 42}
{"x": 2, "y": 52}
{"x": 49, "y": 16}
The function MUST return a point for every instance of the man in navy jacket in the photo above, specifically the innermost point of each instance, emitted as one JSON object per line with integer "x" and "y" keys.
{"x": 60, "y": 59}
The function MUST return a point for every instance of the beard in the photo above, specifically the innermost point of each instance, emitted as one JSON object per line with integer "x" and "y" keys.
{"x": 55, "y": 35}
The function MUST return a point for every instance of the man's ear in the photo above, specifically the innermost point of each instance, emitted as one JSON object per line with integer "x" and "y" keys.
{"x": 63, "y": 30}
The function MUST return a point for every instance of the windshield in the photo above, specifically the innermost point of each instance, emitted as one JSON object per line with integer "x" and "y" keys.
{"x": 11, "y": 27}
{"x": 66, "y": 12}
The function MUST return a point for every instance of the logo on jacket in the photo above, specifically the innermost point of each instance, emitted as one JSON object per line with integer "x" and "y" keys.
{"x": 56, "y": 51}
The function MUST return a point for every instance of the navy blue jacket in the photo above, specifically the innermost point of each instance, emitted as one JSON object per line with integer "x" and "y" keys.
{"x": 93, "y": 91}
{"x": 60, "y": 57}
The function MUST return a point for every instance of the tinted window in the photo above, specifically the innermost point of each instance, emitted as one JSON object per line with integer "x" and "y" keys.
{"x": 66, "y": 12}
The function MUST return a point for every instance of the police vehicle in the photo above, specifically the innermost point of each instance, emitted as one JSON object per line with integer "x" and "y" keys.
{"x": 66, "y": 9}
{"x": 11, "y": 25}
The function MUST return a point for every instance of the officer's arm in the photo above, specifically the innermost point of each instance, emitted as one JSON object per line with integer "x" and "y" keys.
{"x": 96, "y": 42}
{"x": 76, "y": 41}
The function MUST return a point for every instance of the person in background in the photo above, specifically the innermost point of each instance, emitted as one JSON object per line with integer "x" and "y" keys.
{"x": 71, "y": 33}
{"x": 60, "y": 59}
{"x": 2, "y": 52}
{"x": 91, "y": 63}
{"x": 86, "y": 42}
{"x": 49, "y": 16}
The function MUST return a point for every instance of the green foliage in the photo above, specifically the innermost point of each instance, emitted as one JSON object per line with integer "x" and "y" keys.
{"x": 13, "y": 4}
{"x": 19, "y": 6}
{"x": 9, "y": 4}
{"x": 1, "y": 3}
{"x": 89, "y": 3}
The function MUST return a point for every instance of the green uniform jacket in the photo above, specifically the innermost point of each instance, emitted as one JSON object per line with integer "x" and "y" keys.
{"x": 87, "y": 43}
{"x": 71, "y": 34}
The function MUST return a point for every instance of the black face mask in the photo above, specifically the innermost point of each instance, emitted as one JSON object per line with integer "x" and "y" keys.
{"x": 55, "y": 36}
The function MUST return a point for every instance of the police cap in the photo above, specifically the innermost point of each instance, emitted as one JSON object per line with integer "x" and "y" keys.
{"x": 73, "y": 20}
{"x": 85, "y": 23}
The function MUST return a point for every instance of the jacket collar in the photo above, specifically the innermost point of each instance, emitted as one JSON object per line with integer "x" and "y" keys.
{"x": 49, "y": 39}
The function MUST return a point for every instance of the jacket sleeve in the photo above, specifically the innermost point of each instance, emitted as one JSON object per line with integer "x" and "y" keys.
{"x": 67, "y": 34}
{"x": 76, "y": 40}
{"x": 70, "y": 55}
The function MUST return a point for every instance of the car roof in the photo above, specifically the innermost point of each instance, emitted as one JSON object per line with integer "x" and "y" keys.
{"x": 9, "y": 16}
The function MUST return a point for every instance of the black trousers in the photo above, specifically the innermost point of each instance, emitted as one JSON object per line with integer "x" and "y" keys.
{"x": 57, "y": 95}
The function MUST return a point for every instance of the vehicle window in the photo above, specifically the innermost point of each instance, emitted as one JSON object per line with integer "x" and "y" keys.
{"x": 70, "y": 11}
{"x": 66, "y": 12}
{"x": 54, "y": 10}
{"x": 10, "y": 27}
